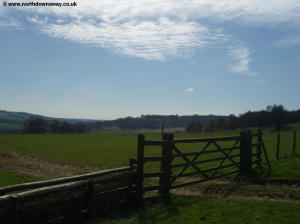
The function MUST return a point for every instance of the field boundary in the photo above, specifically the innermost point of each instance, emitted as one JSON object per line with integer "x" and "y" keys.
{"x": 70, "y": 199}
{"x": 67, "y": 200}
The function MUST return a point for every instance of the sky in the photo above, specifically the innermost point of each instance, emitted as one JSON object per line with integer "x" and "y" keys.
{"x": 106, "y": 59}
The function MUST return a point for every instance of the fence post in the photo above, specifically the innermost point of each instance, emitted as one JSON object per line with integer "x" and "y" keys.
{"x": 15, "y": 211}
{"x": 166, "y": 164}
{"x": 246, "y": 151}
{"x": 294, "y": 143}
{"x": 140, "y": 168}
{"x": 259, "y": 145}
{"x": 278, "y": 146}
{"x": 90, "y": 192}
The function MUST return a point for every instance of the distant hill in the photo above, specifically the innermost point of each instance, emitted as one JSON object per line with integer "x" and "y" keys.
{"x": 12, "y": 122}
{"x": 274, "y": 117}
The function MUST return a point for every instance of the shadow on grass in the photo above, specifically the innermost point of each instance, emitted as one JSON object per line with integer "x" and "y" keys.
{"x": 137, "y": 213}
{"x": 258, "y": 174}
{"x": 282, "y": 171}
{"x": 166, "y": 203}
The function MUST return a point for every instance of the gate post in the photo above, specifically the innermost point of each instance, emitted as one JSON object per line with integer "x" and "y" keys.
{"x": 166, "y": 164}
{"x": 140, "y": 168}
{"x": 245, "y": 151}
{"x": 258, "y": 148}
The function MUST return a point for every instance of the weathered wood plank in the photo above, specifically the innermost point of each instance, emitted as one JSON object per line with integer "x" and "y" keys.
{"x": 140, "y": 168}
{"x": 47, "y": 191}
{"x": 166, "y": 169}
{"x": 206, "y": 152}
{"x": 205, "y": 170}
{"x": 204, "y": 161}
{"x": 5, "y": 200}
{"x": 53, "y": 201}
{"x": 114, "y": 177}
{"x": 25, "y": 186}
{"x": 196, "y": 140}
{"x": 246, "y": 151}
{"x": 278, "y": 146}
{"x": 294, "y": 142}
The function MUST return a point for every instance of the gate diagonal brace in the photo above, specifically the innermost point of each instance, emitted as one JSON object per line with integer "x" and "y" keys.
{"x": 226, "y": 155}
{"x": 190, "y": 162}
{"x": 223, "y": 160}
{"x": 202, "y": 150}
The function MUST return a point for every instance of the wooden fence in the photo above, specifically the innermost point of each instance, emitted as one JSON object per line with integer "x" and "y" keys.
{"x": 69, "y": 200}
{"x": 247, "y": 149}
{"x": 293, "y": 151}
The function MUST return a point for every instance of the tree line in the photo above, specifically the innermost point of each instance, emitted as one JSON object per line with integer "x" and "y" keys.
{"x": 36, "y": 125}
{"x": 153, "y": 121}
{"x": 275, "y": 117}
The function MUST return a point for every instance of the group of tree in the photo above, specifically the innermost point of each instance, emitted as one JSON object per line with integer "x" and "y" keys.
{"x": 36, "y": 125}
{"x": 275, "y": 117}
{"x": 154, "y": 121}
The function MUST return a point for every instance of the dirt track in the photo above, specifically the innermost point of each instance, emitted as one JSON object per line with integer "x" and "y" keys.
{"x": 39, "y": 167}
{"x": 230, "y": 189}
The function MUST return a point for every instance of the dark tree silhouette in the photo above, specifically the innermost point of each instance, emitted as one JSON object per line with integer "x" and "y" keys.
{"x": 278, "y": 114}
{"x": 212, "y": 126}
{"x": 55, "y": 126}
{"x": 35, "y": 126}
{"x": 194, "y": 127}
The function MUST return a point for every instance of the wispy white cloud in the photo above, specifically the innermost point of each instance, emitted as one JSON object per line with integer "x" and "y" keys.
{"x": 189, "y": 89}
{"x": 37, "y": 21}
{"x": 287, "y": 42}
{"x": 157, "y": 29}
{"x": 10, "y": 22}
{"x": 154, "y": 40}
{"x": 241, "y": 56}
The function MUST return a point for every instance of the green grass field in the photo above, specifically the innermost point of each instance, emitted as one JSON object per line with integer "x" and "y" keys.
{"x": 10, "y": 178}
{"x": 112, "y": 150}
{"x": 205, "y": 210}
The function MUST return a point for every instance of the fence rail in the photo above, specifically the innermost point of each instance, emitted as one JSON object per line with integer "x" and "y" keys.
{"x": 244, "y": 153}
{"x": 25, "y": 186}
{"x": 70, "y": 200}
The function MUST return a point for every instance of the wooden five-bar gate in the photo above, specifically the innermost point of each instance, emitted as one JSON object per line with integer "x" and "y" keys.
{"x": 183, "y": 162}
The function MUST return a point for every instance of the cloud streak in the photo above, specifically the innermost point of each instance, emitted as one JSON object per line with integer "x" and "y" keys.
{"x": 158, "y": 29}
{"x": 189, "y": 89}
{"x": 10, "y": 22}
{"x": 242, "y": 59}
{"x": 287, "y": 42}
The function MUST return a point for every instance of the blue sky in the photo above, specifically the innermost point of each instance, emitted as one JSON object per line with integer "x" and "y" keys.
{"x": 109, "y": 59}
